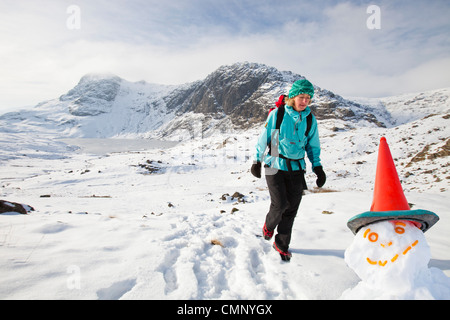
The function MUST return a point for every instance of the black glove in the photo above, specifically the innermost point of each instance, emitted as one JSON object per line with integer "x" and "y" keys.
{"x": 256, "y": 169}
{"x": 321, "y": 177}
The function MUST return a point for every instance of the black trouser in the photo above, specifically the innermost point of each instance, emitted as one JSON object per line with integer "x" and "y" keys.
{"x": 286, "y": 189}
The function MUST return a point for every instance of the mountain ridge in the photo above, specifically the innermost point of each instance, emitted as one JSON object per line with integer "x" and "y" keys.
{"x": 233, "y": 97}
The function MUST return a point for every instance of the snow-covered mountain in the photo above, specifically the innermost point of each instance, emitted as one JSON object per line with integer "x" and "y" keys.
{"x": 99, "y": 106}
{"x": 231, "y": 98}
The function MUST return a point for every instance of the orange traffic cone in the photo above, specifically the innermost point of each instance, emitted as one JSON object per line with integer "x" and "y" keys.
{"x": 389, "y": 201}
{"x": 388, "y": 193}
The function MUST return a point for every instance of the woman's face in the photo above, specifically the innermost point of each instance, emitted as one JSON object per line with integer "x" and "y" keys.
{"x": 301, "y": 102}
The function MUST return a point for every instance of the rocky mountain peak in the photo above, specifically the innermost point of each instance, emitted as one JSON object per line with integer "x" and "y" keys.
{"x": 245, "y": 92}
{"x": 93, "y": 95}
{"x": 242, "y": 91}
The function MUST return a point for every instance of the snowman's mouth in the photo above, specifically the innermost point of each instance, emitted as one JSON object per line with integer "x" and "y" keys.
{"x": 382, "y": 263}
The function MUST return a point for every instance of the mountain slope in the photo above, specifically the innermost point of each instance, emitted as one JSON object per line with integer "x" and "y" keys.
{"x": 231, "y": 98}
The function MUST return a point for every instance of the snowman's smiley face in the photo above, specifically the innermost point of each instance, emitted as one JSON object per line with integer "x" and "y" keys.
{"x": 391, "y": 246}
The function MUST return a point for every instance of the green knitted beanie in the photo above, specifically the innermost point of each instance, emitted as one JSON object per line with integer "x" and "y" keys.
{"x": 300, "y": 87}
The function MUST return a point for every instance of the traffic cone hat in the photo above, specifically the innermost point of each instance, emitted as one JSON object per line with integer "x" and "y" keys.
{"x": 389, "y": 201}
{"x": 388, "y": 193}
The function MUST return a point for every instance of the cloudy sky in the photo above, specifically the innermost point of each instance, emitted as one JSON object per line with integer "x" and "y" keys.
{"x": 46, "y": 46}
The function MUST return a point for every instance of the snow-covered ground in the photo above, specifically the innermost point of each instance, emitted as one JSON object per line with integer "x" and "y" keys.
{"x": 139, "y": 224}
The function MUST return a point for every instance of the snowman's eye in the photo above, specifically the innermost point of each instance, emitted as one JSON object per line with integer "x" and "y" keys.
{"x": 373, "y": 236}
{"x": 399, "y": 230}
{"x": 399, "y": 227}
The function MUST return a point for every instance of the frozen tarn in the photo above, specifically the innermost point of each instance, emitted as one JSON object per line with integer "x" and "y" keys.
{"x": 105, "y": 146}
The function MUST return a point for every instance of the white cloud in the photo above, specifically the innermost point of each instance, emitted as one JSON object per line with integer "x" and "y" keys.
{"x": 430, "y": 75}
{"x": 330, "y": 44}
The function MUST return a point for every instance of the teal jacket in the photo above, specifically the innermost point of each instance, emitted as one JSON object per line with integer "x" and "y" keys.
{"x": 292, "y": 142}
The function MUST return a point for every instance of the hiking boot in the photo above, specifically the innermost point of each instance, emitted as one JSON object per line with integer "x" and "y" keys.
{"x": 266, "y": 233}
{"x": 285, "y": 255}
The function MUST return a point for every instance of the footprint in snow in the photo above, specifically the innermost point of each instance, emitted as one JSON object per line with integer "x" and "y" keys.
{"x": 116, "y": 290}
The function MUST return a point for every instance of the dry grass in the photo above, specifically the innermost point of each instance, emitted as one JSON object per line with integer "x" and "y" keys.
{"x": 322, "y": 190}
{"x": 216, "y": 242}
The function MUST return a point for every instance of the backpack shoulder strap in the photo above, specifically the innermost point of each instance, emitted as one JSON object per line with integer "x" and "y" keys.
{"x": 308, "y": 123}
{"x": 280, "y": 116}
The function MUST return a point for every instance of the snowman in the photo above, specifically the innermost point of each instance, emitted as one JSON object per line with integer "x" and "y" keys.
{"x": 390, "y": 253}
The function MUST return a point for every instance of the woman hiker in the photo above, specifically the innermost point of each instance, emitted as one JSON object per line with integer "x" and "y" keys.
{"x": 296, "y": 136}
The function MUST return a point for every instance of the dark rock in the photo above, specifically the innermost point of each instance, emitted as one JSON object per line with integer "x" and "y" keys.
{"x": 8, "y": 206}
